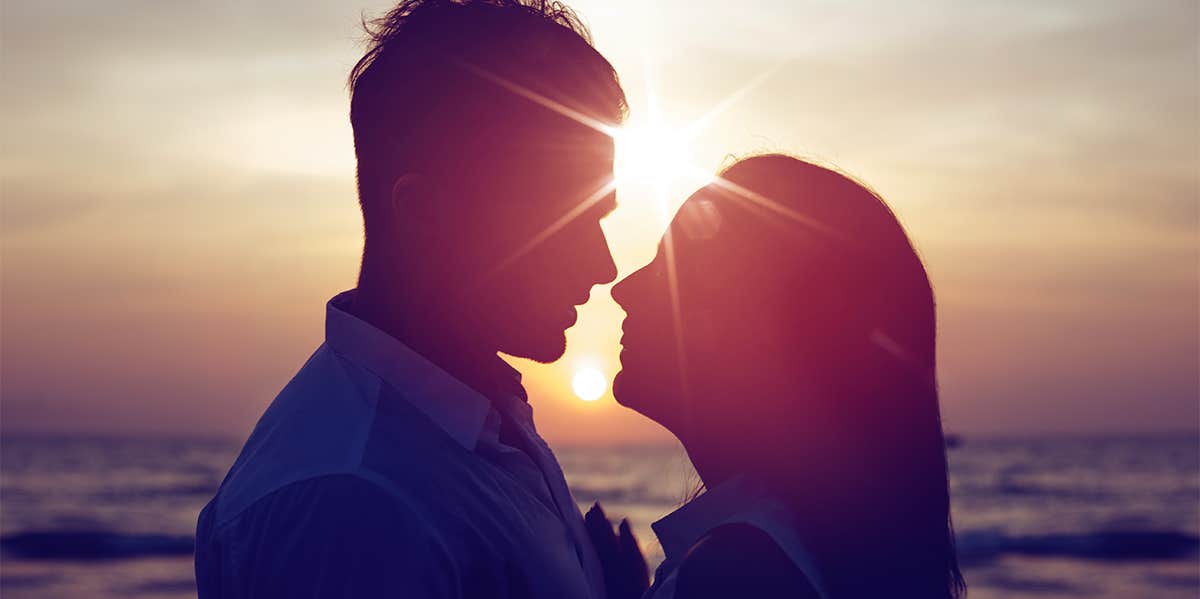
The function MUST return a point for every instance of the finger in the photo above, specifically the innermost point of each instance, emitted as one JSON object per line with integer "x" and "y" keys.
{"x": 597, "y": 522}
{"x": 628, "y": 542}
{"x": 601, "y": 532}
{"x": 631, "y": 551}
{"x": 598, "y": 510}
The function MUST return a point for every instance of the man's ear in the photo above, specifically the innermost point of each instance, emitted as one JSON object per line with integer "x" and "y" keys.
{"x": 412, "y": 206}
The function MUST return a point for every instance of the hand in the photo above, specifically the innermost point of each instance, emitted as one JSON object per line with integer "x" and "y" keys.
{"x": 625, "y": 573}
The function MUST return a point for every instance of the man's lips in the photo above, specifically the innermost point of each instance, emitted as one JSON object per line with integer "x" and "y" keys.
{"x": 571, "y": 313}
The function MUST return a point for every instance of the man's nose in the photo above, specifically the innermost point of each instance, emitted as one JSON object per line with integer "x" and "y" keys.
{"x": 600, "y": 267}
{"x": 607, "y": 271}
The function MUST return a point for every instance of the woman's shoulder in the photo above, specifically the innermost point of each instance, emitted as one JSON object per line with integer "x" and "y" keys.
{"x": 740, "y": 560}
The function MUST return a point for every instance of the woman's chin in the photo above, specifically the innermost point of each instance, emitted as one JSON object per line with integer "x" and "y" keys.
{"x": 630, "y": 391}
{"x": 618, "y": 387}
{"x": 627, "y": 392}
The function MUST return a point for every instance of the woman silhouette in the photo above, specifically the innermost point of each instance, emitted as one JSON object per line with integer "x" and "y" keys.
{"x": 785, "y": 334}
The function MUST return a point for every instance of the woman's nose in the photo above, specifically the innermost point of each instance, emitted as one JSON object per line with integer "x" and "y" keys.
{"x": 624, "y": 290}
{"x": 620, "y": 291}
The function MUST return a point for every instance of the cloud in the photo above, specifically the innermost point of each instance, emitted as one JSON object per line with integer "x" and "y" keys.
{"x": 178, "y": 192}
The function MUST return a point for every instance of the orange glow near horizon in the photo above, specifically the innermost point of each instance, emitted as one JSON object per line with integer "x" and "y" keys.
{"x": 173, "y": 222}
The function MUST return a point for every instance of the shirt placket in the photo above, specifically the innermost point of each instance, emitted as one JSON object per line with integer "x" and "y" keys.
{"x": 522, "y": 416}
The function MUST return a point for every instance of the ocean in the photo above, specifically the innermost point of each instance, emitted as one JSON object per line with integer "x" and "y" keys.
{"x": 1036, "y": 518}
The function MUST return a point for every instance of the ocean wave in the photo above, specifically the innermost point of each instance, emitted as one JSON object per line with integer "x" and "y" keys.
{"x": 1102, "y": 545}
{"x": 169, "y": 586}
{"x": 88, "y": 545}
{"x": 1013, "y": 488}
{"x": 28, "y": 581}
{"x": 973, "y": 546}
{"x": 639, "y": 495}
{"x": 138, "y": 493}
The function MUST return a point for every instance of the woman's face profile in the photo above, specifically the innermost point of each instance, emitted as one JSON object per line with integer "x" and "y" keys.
{"x": 687, "y": 316}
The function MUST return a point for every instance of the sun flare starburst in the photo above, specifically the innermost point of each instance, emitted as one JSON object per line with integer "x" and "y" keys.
{"x": 654, "y": 153}
{"x": 648, "y": 152}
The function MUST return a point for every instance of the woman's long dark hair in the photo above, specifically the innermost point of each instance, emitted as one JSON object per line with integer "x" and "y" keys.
{"x": 858, "y": 311}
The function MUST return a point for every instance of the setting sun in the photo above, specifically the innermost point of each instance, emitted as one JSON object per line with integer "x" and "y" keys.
{"x": 654, "y": 153}
{"x": 589, "y": 384}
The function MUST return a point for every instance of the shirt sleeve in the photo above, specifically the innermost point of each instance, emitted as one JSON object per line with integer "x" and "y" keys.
{"x": 338, "y": 536}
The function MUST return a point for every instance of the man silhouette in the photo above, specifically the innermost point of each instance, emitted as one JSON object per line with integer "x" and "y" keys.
{"x": 402, "y": 459}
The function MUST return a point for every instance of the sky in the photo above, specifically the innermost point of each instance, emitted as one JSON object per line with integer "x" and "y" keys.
{"x": 177, "y": 198}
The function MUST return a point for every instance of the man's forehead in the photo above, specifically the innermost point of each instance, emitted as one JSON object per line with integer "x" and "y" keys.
{"x": 587, "y": 143}
{"x": 579, "y": 149}
{"x": 592, "y": 133}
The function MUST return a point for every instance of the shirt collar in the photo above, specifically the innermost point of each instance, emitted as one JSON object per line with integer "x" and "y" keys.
{"x": 739, "y": 499}
{"x": 682, "y": 528}
{"x": 451, "y": 404}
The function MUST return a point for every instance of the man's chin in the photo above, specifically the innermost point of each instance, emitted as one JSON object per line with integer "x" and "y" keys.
{"x": 544, "y": 350}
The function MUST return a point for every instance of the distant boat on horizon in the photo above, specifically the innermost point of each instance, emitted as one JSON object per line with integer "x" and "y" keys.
{"x": 953, "y": 441}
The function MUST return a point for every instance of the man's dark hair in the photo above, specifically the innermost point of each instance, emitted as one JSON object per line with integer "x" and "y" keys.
{"x": 435, "y": 92}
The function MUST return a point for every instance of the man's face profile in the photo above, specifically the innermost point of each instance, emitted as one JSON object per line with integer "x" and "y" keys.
{"x": 547, "y": 248}
{"x": 499, "y": 121}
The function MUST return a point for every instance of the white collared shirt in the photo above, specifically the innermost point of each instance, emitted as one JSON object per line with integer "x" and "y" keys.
{"x": 374, "y": 473}
{"x": 739, "y": 500}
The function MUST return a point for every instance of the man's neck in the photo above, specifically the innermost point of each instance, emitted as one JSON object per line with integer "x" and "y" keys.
{"x": 432, "y": 333}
